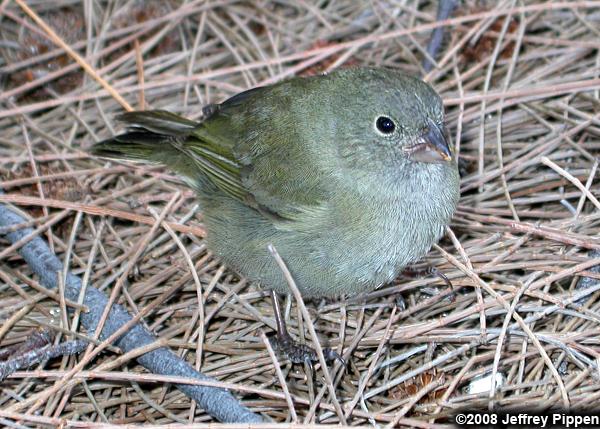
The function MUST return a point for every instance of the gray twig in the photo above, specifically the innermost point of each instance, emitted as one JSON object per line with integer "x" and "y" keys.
{"x": 445, "y": 9}
{"x": 32, "y": 357}
{"x": 217, "y": 402}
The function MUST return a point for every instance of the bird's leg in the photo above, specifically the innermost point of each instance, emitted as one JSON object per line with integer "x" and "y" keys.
{"x": 294, "y": 351}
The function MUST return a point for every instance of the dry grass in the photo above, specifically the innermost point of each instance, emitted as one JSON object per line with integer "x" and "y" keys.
{"x": 522, "y": 89}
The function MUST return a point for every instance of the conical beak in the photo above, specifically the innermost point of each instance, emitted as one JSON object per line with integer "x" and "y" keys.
{"x": 433, "y": 146}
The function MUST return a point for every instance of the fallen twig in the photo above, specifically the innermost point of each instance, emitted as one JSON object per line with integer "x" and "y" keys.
{"x": 219, "y": 403}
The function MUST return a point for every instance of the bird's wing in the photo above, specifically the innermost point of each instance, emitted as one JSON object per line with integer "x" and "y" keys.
{"x": 251, "y": 150}
{"x": 253, "y": 147}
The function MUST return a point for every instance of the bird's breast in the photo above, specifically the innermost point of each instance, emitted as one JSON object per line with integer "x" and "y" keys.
{"x": 377, "y": 234}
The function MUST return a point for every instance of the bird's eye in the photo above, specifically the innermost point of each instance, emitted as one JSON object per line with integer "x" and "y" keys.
{"x": 385, "y": 125}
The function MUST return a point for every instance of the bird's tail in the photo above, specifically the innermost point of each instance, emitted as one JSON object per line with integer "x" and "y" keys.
{"x": 152, "y": 136}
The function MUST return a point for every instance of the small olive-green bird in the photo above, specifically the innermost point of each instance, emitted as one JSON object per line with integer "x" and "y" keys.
{"x": 349, "y": 175}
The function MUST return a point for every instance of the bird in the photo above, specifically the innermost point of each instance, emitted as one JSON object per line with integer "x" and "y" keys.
{"x": 350, "y": 175}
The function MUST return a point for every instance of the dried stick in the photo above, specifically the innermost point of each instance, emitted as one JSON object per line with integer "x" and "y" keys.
{"x": 83, "y": 63}
{"x": 292, "y": 284}
{"x": 219, "y": 403}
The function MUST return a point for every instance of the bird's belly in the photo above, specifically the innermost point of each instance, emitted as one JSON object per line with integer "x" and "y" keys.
{"x": 348, "y": 258}
{"x": 360, "y": 261}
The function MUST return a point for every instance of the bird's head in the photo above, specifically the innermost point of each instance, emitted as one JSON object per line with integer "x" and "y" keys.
{"x": 386, "y": 120}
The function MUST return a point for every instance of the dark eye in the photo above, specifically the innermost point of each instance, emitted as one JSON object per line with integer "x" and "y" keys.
{"x": 385, "y": 125}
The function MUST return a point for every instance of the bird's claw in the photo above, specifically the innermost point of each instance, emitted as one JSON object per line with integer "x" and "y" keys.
{"x": 331, "y": 355}
{"x": 432, "y": 271}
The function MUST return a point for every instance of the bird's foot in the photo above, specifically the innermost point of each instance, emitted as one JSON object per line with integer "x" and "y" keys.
{"x": 294, "y": 351}
{"x": 430, "y": 271}
{"x": 424, "y": 272}
{"x": 301, "y": 353}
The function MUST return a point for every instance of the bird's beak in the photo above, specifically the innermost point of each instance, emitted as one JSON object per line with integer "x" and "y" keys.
{"x": 432, "y": 147}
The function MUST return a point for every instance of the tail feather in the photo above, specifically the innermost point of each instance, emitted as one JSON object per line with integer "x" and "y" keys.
{"x": 151, "y": 138}
{"x": 134, "y": 146}
{"x": 159, "y": 122}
